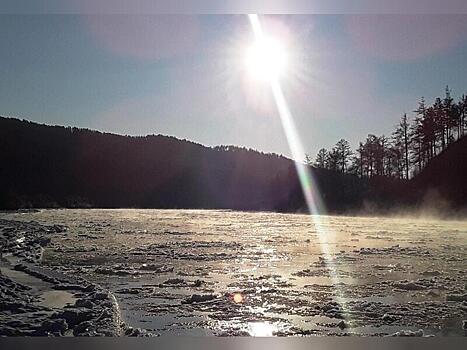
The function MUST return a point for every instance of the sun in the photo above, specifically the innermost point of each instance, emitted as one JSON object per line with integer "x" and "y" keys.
{"x": 266, "y": 59}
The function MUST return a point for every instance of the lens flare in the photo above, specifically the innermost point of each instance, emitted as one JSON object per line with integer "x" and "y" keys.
{"x": 308, "y": 185}
{"x": 238, "y": 298}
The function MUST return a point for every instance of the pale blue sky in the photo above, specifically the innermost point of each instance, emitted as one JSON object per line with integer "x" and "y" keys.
{"x": 184, "y": 75}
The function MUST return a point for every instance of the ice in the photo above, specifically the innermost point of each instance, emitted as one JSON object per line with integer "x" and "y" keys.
{"x": 177, "y": 271}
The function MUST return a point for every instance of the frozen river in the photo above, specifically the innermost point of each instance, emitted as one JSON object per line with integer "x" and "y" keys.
{"x": 200, "y": 272}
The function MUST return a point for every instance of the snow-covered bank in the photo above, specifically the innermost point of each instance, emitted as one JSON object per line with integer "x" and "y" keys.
{"x": 38, "y": 301}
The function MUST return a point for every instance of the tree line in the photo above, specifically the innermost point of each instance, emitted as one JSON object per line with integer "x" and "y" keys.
{"x": 408, "y": 149}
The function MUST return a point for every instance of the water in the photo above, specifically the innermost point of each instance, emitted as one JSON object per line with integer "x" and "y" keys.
{"x": 153, "y": 260}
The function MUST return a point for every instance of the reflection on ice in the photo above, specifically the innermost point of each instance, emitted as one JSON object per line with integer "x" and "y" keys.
{"x": 228, "y": 273}
{"x": 261, "y": 329}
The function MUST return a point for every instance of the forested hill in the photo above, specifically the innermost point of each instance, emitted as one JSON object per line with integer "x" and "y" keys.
{"x": 440, "y": 188}
{"x": 54, "y": 166}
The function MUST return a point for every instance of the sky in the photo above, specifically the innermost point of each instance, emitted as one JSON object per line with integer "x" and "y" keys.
{"x": 185, "y": 75}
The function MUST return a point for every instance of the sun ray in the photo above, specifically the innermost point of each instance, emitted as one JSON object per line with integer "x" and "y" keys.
{"x": 308, "y": 185}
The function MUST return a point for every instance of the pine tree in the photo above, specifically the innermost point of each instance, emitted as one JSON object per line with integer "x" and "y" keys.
{"x": 449, "y": 115}
{"x": 401, "y": 142}
{"x": 321, "y": 158}
{"x": 344, "y": 152}
{"x": 333, "y": 160}
{"x": 308, "y": 160}
{"x": 462, "y": 106}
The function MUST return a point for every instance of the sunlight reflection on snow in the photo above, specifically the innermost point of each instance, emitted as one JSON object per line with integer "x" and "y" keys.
{"x": 261, "y": 329}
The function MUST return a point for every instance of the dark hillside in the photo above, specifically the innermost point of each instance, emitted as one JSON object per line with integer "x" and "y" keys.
{"x": 55, "y": 166}
{"x": 446, "y": 175}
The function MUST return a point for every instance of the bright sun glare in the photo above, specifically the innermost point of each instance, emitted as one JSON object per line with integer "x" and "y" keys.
{"x": 266, "y": 59}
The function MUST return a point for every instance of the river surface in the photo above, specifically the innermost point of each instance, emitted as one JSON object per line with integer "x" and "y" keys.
{"x": 208, "y": 272}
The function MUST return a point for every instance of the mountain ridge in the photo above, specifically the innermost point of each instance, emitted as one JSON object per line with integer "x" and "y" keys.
{"x": 57, "y": 166}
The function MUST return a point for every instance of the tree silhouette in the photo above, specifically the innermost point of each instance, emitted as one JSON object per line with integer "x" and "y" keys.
{"x": 412, "y": 145}
{"x": 450, "y": 115}
{"x": 333, "y": 160}
{"x": 321, "y": 158}
{"x": 343, "y": 152}
{"x": 401, "y": 142}
{"x": 462, "y": 107}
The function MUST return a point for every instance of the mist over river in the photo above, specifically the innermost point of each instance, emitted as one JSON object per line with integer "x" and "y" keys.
{"x": 213, "y": 272}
